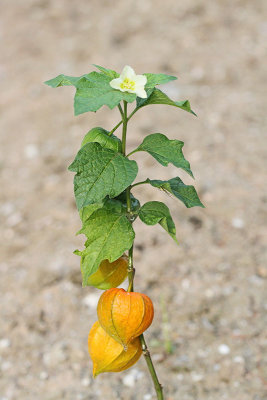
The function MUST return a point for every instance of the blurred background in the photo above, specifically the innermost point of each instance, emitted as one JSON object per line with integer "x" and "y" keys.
{"x": 207, "y": 339}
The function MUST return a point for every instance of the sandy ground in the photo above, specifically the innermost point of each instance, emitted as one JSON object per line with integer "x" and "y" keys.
{"x": 211, "y": 287}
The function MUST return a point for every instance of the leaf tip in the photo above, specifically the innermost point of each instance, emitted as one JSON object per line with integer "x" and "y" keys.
{"x": 84, "y": 281}
{"x": 49, "y": 83}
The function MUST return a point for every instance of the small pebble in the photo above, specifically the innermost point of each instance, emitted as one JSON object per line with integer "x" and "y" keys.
{"x": 196, "y": 377}
{"x": 209, "y": 293}
{"x": 44, "y": 376}
{"x": 255, "y": 280}
{"x": 202, "y": 353}
{"x": 158, "y": 357}
{"x": 31, "y": 151}
{"x": 5, "y": 365}
{"x": 7, "y": 209}
{"x": 227, "y": 291}
{"x": 91, "y": 300}
{"x": 147, "y": 396}
{"x": 14, "y": 219}
{"x": 181, "y": 361}
{"x": 86, "y": 382}
{"x": 185, "y": 284}
{"x": 216, "y": 367}
{"x": 131, "y": 378}
{"x": 76, "y": 366}
{"x": 238, "y": 223}
{"x": 239, "y": 360}
{"x": 180, "y": 377}
{"x": 55, "y": 356}
{"x": 5, "y": 343}
{"x": 197, "y": 73}
{"x": 224, "y": 349}
{"x": 207, "y": 324}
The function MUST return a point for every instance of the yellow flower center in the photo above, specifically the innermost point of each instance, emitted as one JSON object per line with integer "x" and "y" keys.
{"x": 127, "y": 84}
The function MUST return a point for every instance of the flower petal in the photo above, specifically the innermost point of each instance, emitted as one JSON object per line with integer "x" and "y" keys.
{"x": 115, "y": 83}
{"x": 140, "y": 91}
{"x": 140, "y": 80}
{"x": 127, "y": 72}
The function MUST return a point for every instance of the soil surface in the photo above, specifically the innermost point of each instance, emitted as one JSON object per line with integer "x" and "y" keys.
{"x": 207, "y": 339}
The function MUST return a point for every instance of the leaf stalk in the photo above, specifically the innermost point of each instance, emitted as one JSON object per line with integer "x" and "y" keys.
{"x": 139, "y": 183}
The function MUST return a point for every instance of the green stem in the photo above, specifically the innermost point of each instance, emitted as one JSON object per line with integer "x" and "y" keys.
{"x": 121, "y": 111}
{"x": 131, "y": 270}
{"x": 134, "y": 111}
{"x": 146, "y": 353}
{"x": 124, "y": 127}
{"x": 119, "y": 124}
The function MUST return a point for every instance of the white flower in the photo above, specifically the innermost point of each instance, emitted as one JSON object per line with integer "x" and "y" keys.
{"x": 130, "y": 82}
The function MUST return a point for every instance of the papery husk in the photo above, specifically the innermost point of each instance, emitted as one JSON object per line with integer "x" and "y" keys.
{"x": 124, "y": 315}
{"x": 108, "y": 355}
{"x": 109, "y": 275}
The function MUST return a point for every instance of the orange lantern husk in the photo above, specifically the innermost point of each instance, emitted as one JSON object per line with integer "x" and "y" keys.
{"x": 124, "y": 315}
{"x": 108, "y": 355}
{"x": 109, "y": 275}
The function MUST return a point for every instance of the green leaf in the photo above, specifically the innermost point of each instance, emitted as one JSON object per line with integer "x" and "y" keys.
{"x": 155, "y": 212}
{"x": 88, "y": 210}
{"x": 109, "y": 234}
{"x": 109, "y": 72}
{"x": 63, "y": 80}
{"x": 101, "y": 136}
{"x": 165, "y": 151}
{"x": 158, "y": 97}
{"x": 157, "y": 79}
{"x": 94, "y": 91}
{"x": 152, "y": 81}
{"x": 175, "y": 186}
{"x": 100, "y": 172}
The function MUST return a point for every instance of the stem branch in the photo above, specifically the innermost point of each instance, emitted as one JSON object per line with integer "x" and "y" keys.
{"x": 119, "y": 123}
{"x": 115, "y": 128}
{"x": 131, "y": 270}
{"x": 124, "y": 127}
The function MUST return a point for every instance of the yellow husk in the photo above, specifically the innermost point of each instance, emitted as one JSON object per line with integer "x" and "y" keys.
{"x": 109, "y": 275}
{"x": 108, "y": 355}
